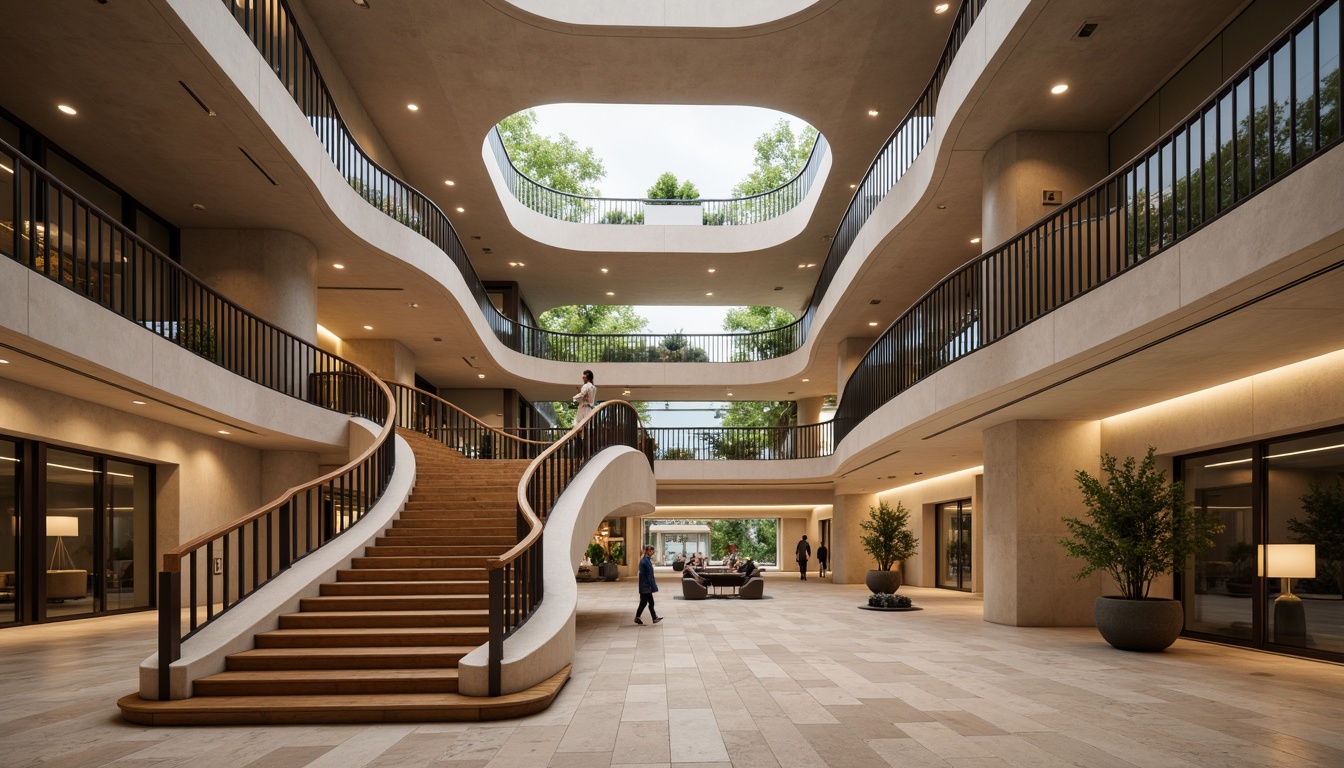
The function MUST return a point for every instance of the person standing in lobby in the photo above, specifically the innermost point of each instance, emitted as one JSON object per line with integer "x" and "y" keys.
{"x": 823, "y": 554}
{"x": 647, "y": 586}
{"x": 803, "y": 552}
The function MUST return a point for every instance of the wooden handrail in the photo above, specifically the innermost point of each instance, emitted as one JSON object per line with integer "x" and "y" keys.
{"x": 172, "y": 561}
{"x": 525, "y": 507}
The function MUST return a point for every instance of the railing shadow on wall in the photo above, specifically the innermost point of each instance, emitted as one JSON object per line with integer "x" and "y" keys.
{"x": 588, "y": 209}
{"x": 271, "y": 28}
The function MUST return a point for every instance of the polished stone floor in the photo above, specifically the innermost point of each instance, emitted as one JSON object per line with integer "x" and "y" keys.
{"x": 800, "y": 679}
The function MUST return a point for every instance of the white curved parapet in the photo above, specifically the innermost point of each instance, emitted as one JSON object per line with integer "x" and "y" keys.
{"x": 617, "y": 480}
{"x": 663, "y": 13}
{"x": 205, "y": 653}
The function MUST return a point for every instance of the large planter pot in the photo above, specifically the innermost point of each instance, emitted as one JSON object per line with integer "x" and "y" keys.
{"x": 1139, "y": 625}
{"x": 883, "y": 582}
{"x": 609, "y": 571}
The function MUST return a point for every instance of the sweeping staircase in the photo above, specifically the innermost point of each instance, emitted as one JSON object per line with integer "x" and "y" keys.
{"x": 383, "y": 641}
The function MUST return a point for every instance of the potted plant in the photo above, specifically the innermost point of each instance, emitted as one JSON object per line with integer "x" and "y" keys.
{"x": 889, "y": 542}
{"x": 611, "y": 569}
{"x": 1139, "y": 527}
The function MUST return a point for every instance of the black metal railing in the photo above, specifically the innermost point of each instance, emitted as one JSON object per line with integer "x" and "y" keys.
{"x": 230, "y": 563}
{"x": 55, "y": 232}
{"x": 659, "y": 348}
{"x": 807, "y": 441}
{"x": 586, "y": 209}
{"x": 1277, "y": 113}
{"x": 431, "y": 415}
{"x": 516, "y": 584}
{"x": 271, "y": 28}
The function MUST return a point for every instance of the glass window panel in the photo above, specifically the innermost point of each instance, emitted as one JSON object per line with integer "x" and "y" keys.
{"x": 1305, "y": 507}
{"x": 1217, "y": 589}
{"x": 70, "y": 546}
{"x": 9, "y": 527}
{"x": 1305, "y": 93}
{"x": 7, "y": 212}
{"x": 1282, "y": 115}
{"x": 1226, "y": 147}
{"x": 1242, "y": 143}
{"x": 85, "y": 185}
{"x": 129, "y": 539}
{"x": 1261, "y": 149}
{"x": 1328, "y": 57}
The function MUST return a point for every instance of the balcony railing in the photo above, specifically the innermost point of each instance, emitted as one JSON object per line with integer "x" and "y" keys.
{"x": 271, "y": 28}
{"x": 722, "y": 212}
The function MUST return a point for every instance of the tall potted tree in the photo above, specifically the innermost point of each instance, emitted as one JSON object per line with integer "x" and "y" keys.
{"x": 1139, "y": 527}
{"x": 889, "y": 542}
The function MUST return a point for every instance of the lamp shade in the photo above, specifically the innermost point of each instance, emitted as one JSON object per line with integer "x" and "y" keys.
{"x": 59, "y": 525}
{"x": 1292, "y": 561}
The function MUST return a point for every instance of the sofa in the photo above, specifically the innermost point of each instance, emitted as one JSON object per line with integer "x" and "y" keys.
{"x": 692, "y": 589}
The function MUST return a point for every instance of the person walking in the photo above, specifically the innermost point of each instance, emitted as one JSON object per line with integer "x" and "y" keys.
{"x": 803, "y": 551}
{"x": 823, "y": 554}
{"x": 647, "y": 586}
{"x": 586, "y": 397}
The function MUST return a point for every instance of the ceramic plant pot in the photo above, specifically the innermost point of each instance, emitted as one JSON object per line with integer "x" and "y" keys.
{"x": 884, "y": 582}
{"x": 1139, "y": 625}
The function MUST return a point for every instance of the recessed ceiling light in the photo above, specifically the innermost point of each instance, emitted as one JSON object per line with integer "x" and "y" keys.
{"x": 460, "y": 209}
{"x": 4, "y": 362}
{"x": 413, "y": 107}
{"x": 368, "y": 327}
{"x": 223, "y": 431}
{"x": 604, "y": 270}
{"x": 806, "y": 380}
{"x": 712, "y": 270}
{"x": 361, "y": 3}
{"x": 802, "y": 266}
{"x": 872, "y": 323}
{"x": 942, "y": 207}
{"x": 609, "y": 293}
{"x": 137, "y": 402}
{"x": 872, "y": 113}
{"x": 338, "y": 266}
{"x": 480, "y": 375}
{"x": 940, "y": 8}
{"x": 853, "y": 186}
{"x": 711, "y": 293}
{"x": 626, "y": 392}
{"x": 730, "y": 394}
{"x": 413, "y": 305}
{"x": 66, "y": 108}
{"x": 975, "y": 240}
{"x": 1058, "y": 89}
{"x": 450, "y": 182}
{"x": 513, "y": 263}
{"x": 198, "y": 206}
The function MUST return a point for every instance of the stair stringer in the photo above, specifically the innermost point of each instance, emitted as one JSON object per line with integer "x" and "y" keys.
{"x": 617, "y": 480}
{"x": 205, "y": 653}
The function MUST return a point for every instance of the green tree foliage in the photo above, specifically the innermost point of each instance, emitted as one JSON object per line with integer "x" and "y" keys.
{"x": 585, "y": 319}
{"x": 780, "y": 155}
{"x": 668, "y": 188}
{"x": 1138, "y": 527}
{"x": 755, "y": 345}
{"x": 1322, "y": 524}
{"x": 750, "y": 433}
{"x": 558, "y": 163}
{"x": 756, "y": 538}
{"x": 886, "y": 537}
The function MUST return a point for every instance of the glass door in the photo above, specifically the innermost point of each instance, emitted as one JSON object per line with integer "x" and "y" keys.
{"x": 73, "y": 500}
{"x": 954, "y": 545}
{"x": 9, "y": 531}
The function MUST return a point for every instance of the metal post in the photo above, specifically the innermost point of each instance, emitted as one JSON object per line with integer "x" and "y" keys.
{"x": 496, "y": 642}
{"x": 170, "y": 628}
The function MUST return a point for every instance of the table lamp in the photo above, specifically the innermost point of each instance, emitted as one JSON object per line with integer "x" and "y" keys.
{"x": 61, "y": 526}
{"x": 1288, "y": 562}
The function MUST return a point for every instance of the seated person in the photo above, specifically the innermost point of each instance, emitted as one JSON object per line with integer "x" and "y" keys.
{"x": 689, "y": 573}
{"x": 730, "y": 559}
{"x": 747, "y": 568}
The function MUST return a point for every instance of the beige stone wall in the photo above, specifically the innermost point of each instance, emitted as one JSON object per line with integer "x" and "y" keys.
{"x": 269, "y": 272}
{"x": 1021, "y": 165}
{"x": 921, "y": 500}
{"x": 203, "y": 481}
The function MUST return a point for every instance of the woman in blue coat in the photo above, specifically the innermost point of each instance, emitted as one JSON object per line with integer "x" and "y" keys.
{"x": 647, "y": 586}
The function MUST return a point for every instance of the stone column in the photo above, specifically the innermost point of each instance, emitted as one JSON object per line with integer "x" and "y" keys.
{"x": 1028, "y": 486}
{"x": 849, "y": 563}
{"x": 269, "y": 272}
{"x": 1021, "y": 165}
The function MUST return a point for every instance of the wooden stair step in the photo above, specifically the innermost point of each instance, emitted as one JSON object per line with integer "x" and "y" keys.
{"x": 327, "y": 682}
{"x": 467, "y": 561}
{"x": 404, "y": 539}
{"x": 381, "y": 637}
{"x": 382, "y": 592}
{"x": 411, "y": 574}
{"x": 394, "y": 603}
{"x": 492, "y": 526}
{"x": 393, "y": 657}
{"x": 384, "y": 708}
{"x": 470, "y": 618}
{"x": 419, "y": 549}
